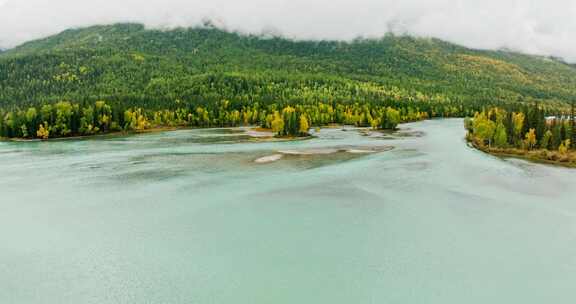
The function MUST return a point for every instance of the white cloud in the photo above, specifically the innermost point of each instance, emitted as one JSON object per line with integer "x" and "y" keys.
{"x": 544, "y": 27}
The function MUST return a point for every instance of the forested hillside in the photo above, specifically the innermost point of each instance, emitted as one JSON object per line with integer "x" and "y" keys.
{"x": 191, "y": 70}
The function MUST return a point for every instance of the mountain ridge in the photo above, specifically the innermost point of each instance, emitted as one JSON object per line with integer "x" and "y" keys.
{"x": 263, "y": 36}
{"x": 81, "y": 63}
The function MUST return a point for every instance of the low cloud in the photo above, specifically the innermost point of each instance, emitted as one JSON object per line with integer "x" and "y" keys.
{"x": 541, "y": 27}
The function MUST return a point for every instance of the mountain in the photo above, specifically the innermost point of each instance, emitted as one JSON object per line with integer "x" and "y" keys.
{"x": 130, "y": 64}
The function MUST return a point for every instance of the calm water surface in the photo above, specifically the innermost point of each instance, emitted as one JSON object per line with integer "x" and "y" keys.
{"x": 189, "y": 217}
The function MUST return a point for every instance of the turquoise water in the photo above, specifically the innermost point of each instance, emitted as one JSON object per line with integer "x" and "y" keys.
{"x": 189, "y": 217}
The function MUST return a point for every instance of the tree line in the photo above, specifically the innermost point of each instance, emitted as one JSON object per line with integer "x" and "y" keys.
{"x": 66, "y": 119}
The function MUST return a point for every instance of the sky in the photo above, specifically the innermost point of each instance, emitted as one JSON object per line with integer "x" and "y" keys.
{"x": 542, "y": 27}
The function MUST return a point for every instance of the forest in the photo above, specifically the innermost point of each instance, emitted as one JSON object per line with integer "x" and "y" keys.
{"x": 125, "y": 77}
{"x": 65, "y": 119}
{"x": 525, "y": 132}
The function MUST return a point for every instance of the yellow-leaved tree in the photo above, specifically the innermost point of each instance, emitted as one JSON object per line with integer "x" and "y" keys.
{"x": 530, "y": 139}
{"x": 563, "y": 149}
{"x": 304, "y": 126}
{"x": 42, "y": 132}
{"x": 278, "y": 124}
{"x": 518, "y": 122}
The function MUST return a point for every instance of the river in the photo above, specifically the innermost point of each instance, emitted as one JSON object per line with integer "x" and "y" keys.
{"x": 189, "y": 217}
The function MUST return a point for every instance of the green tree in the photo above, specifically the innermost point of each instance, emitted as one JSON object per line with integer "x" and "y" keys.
{"x": 393, "y": 118}
{"x": 31, "y": 120}
{"x": 500, "y": 136}
{"x": 546, "y": 141}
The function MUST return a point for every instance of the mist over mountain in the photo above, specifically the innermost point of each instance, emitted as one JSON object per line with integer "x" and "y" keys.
{"x": 536, "y": 27}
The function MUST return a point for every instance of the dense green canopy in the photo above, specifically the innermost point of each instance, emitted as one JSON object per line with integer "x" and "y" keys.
{"x": 131, "y": 67}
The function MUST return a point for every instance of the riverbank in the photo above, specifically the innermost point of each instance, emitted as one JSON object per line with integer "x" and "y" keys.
{"x": 256, "y": 133}
{"x": 539, "y": 156}
{"x": 107, "y": 134}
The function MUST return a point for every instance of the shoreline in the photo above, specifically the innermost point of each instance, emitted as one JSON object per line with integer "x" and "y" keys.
{"x": 537, "y": 156}
{"x": 255, "y": 132}
{"x": 81, "y": 137}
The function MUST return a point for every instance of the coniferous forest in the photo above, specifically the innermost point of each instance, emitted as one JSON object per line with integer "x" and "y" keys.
{"x": 125, "y": 77}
